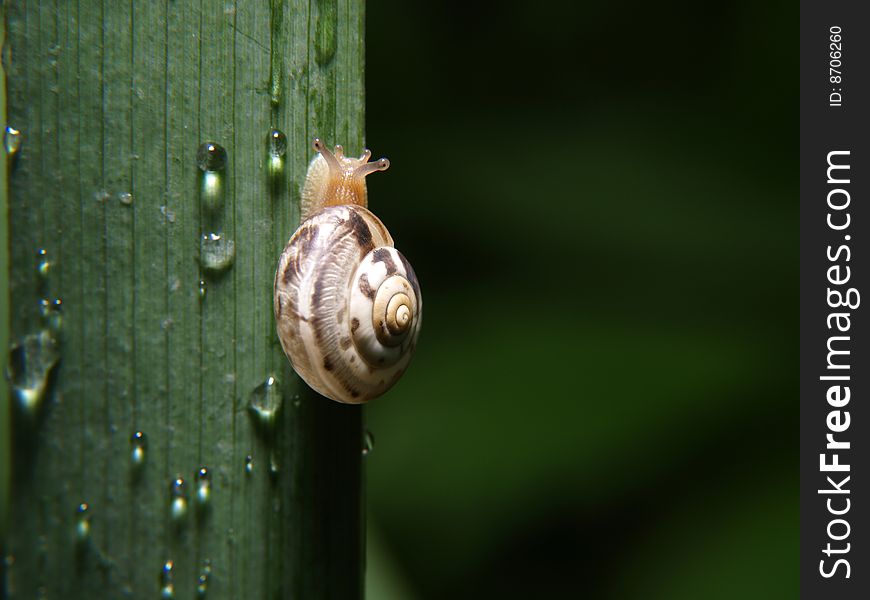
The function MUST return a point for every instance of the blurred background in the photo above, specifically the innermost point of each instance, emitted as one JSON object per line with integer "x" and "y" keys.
{"x": 600, "y": 200}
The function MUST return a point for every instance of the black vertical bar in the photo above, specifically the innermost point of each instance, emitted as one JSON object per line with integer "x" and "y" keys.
{"x": 835, "y": 270}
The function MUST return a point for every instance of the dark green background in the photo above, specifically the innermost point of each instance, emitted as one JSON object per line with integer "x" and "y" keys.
{"x": 600, "y": 200}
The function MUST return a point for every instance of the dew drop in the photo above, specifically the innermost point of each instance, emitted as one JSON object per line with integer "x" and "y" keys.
{"x": 43, "y": 266}
{"x": 51, "y": 312}
{"x": 125, "y": 198}
{"x": 203, "y": 487}
{"x": 167, "y": 588}
{"x": 202, "y": 289}
{"x": 139, "y": 443}
{"x": 368, "y": 443}
{"x": 202, "y": 580}
{"x": 217, "y": 253}
{"x": 276, "y": 161}
{"x": 277, "y": 143}
{"x": 31, "y": 362}
{"x": 249, "y": 464}
{"x": 265, "y": 402}
{"x": 211, "y": 156}
{"x": 12, "y": 141}
{"x": 83, "y": 523}
{"x": 274, "y": 465}
{"x": 177, "y": 499}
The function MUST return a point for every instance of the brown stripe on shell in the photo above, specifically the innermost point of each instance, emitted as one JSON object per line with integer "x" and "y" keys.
{"x": 345, "y": 343}
{"x": 291, "y": 271}
{"x": 409, "y": 274}
{"x": 365, "y": 287}
{"x": 327, "y": 364}
{"x": 317, "y": 294}
{"x": 304, "y": 239}
{"x": 354, "y": 324}
{"x": 382, "y": 231}
{"x": 360, "y": 229}
{"x": 383, "y": 255}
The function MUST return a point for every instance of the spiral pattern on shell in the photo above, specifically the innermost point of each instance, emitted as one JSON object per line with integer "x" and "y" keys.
{"x": 347, "y": 305}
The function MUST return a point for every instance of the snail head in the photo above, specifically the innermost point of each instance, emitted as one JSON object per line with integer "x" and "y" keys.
{"x": 346, "y": 180}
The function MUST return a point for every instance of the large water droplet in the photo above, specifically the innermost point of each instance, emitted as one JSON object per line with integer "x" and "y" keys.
{"x": 12, "y": 141}
{"x": 139, "y": 444}
{"x": 83, "y": 523}
{"x": 217, "y": 253}
{"x": 167, "y": 588}
{"x": 125, "y": 198}
{"x": 31, "y": 363}
{"x": 276, "y": 161}
{"x": 51, "y": 312}
{"x": 202, "y": 581}
{"x": 211, "y": 156}
{"x": 177, "y": 500}
{"x": 212, "y": 160}
{"x": 265, "y": 402}
{"x": 277, "y": 143}
{"x": 203, "y": 487}
{"x": 368, "y": 443}
{"x": 249, "y": 464}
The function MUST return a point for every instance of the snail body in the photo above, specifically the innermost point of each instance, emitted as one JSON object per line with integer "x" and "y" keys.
{"x": 347, "y": 303}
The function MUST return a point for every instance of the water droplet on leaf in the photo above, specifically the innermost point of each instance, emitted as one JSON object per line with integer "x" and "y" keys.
{"x": 277, "y": 143}
{"x": 177, "y": 500}
{"x": 211, "y": 156}
{"x": 202, "y": 580}
{"x": 126, "y": 198}
{"x": 43, "y": 266}
{"x": 265, "y": 402}
{"x": 368, "y": 443}
{"x": 203, "y": 487}
{"x": 139, "y": 443}
{"x": 167, "y": 588}
{"x": 51, "y": 312}
{"x": 274, "y": 465}
{"x": 31, "y": 363}
{"x": 217, "y": 253}
{"x": 83, "y": 523}
{"x": 12, "y": 141}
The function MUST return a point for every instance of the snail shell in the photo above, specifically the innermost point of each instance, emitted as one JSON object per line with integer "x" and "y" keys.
{"x": 347, "y": 303}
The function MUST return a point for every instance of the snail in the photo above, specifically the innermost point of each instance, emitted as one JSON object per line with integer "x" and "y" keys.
{"x": 347, "y": 303}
